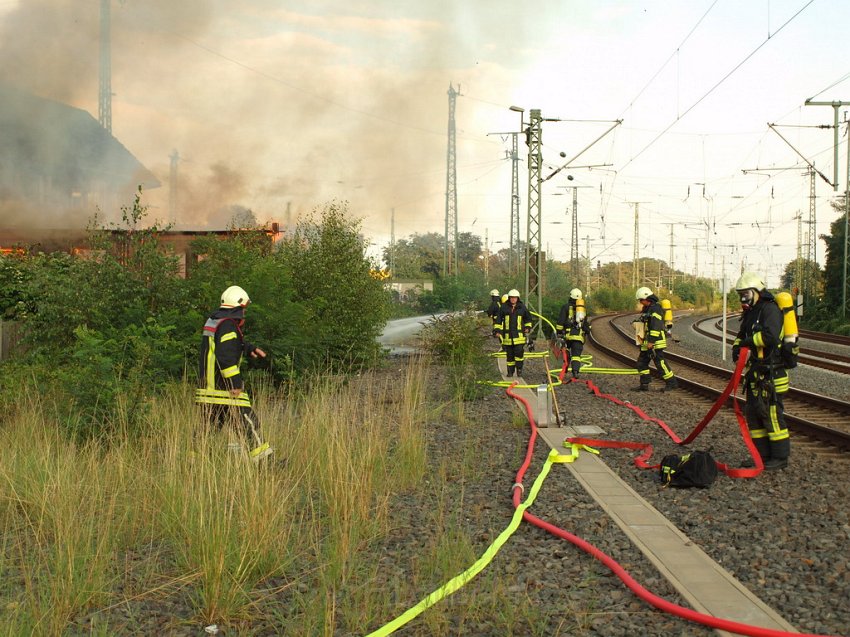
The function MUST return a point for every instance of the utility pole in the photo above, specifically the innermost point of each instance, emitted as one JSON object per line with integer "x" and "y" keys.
{"x": 392, "y": 243}
{"x": 513, "y": 252}
{"x": 798, "y": 264}
{"x": 802, "y": 278}
{"x": 534, "y": 257}
{"x": 486, "y": 257}
{"x": 450, "y": 247}
{"x": 809, "y": 282}
{"x": 696, "y": 259}
{"x": 104, "y": 102}
{"x": 575, "y": 267}
{"x": 844, "y": 282}
{"x": 172, "y": 186}
{"x": 846, "y": 234}
{"x": 670, "y": 262}
{"x": 513, "y": 243}
{"x": 636, "y": 249}
{"x": 587, "y": 258}
{"x": 835, "y": 106}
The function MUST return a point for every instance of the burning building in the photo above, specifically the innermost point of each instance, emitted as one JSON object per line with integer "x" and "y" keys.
{"x": 58, "y": 166}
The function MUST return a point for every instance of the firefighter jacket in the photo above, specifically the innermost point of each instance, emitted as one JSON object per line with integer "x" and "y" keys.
{"x": 513, "y": 323}
{"x": 219, "y": 357}
{"x": 652, "y": 318}
{"x": 762, "y": 331}
{"x": 493, "y": 310}
{"x": 567, "y": 325}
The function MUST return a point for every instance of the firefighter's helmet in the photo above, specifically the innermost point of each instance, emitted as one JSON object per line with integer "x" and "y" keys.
{"x": 494, "y": 292}
{"x": 575, "y": 294}
{"x": 514, "y": 292}
{"x": 642, "y": 294}
{"x": 750, "y": 281}
{"x": 234, "y": 296}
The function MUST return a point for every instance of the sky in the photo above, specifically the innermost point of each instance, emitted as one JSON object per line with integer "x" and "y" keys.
{"x": 276, "y": 106}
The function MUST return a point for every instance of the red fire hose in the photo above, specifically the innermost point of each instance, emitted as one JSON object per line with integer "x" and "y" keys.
{"x": 619, "y": 571}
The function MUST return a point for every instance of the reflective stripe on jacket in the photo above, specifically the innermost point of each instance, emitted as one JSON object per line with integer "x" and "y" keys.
{"x": 512, "y": 323}
{"x": 220, "y": 355}
{"x": 763, "y": 323}
{"x": 652, "y": 317}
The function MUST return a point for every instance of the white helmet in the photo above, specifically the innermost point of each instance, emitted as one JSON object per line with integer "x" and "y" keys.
{"x": 234, "y": 296}
{"x": 575, "y": 294}
{"x": 750, "y": 281}
{"x": 494, "y": 292}
{"x": 642, "y": 294}
{"x": 514, "y": 292}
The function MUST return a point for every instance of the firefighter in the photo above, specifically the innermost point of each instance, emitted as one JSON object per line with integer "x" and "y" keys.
{"x": 222, "y": 388}
{"x": 572, "y": 328}
{"x": 512, "y": 326}
{"x": 495, "y": 303}
{"x": 654, "y": 341}
{"x": 766, "y": 379}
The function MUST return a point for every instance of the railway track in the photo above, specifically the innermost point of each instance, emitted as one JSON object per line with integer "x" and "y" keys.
{"x": 833, "y": 361}
{"x": 818, "y": 417}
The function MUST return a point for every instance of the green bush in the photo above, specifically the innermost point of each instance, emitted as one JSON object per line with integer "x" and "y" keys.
{"x": 106, "y": 331}
{"x": 457, "y": 340}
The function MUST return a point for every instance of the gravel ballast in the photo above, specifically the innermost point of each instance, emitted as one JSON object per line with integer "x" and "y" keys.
{"x": 784, "y": 535}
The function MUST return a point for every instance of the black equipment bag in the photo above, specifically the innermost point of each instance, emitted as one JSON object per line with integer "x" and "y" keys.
{"x": 694, "y": 469}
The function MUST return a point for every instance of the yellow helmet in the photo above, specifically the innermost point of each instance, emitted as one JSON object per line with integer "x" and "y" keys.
{"x": 750, "y": 281}
{"x": 504, "y": 298}
{"x": 575, "y": 294}
{"x": 234, "y": 296}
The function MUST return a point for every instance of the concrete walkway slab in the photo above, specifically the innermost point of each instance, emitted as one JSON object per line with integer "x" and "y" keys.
{"x": 707, "y": 587}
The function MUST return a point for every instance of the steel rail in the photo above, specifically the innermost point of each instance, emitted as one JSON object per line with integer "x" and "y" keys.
{"x": 796, "y": 400}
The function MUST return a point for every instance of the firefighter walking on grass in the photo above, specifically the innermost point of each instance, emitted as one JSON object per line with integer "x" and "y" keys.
{"x": 512, "y": 327}
{"x": 766, "y": 380}
{"x": 222, "y": 392}
{"x": 654, "y": 341}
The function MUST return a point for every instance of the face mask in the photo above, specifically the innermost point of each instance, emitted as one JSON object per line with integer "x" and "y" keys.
{"x": 747, "y": 299}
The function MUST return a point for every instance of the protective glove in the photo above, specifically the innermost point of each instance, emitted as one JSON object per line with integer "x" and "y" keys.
{"x": 736, "y": 352}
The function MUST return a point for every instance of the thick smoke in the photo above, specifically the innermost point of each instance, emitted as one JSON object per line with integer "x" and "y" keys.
{"x": 295, "y": 113}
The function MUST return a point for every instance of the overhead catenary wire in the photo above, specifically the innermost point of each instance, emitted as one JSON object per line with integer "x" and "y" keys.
{"x": 717, "y": 84}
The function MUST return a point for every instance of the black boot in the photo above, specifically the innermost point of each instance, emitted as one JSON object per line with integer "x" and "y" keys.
{"x": 776, "y": 463}
{"x": 641, "y": 387}
{"x": 671, "y": 384}
{"x": 519, "y": 370}
{"x": 510, "y": 372}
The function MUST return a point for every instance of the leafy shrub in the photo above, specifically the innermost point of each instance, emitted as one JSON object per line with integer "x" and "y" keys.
{"x": 457, "y": 340}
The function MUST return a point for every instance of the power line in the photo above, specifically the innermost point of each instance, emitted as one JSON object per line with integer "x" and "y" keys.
{"x": 667, "y": 61}
{"x": 712, "y": 89}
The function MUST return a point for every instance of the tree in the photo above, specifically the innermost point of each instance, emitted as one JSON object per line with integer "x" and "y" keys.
{"x": 418, "y": 256}
{"x": 345, "y": 306}
{"x": 811, "y": 274}
{"x": 833, "y": 274}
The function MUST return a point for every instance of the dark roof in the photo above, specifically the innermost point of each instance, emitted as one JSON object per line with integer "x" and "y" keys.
{"x": 43, "y": 138}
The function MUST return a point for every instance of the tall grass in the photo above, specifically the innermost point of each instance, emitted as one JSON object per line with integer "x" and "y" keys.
{"x": 92, "y": 533}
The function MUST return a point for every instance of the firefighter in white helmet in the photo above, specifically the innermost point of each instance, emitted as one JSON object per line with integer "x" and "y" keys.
{"x": 572, "y": 328}
{"x": 512, "y": 326}
{"x": 654, "y": 341}
{"x": 222, "y": 391}
{"x": 766, "y": 378}
{"x": 495, "y": 303}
